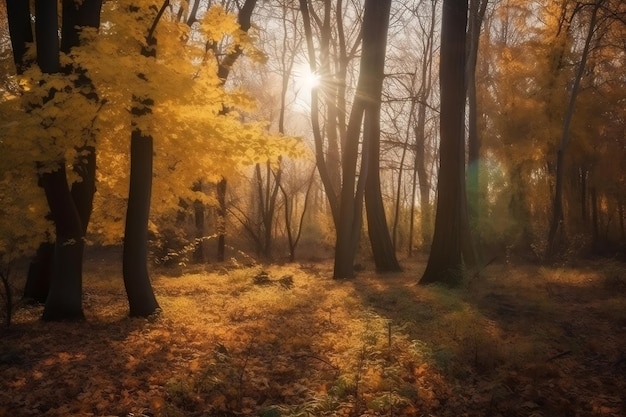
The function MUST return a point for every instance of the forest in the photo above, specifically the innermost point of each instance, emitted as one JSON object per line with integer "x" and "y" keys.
{"x": 312, "y": 208}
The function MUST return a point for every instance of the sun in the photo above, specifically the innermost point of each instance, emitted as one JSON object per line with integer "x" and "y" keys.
{"x": 305, "y": 80}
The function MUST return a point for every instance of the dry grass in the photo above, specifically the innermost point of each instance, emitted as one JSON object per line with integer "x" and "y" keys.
{"x": 518, "y": 341}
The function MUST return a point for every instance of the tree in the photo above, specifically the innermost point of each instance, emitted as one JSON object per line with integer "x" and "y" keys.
{"x": 365, "y": 112}
{"x": 344, "y": 194}
{"x": 224, "y": 67}
{"x": 556, "y": 224}
{"x": 445, "y": 263}
{"x": 141, "y": 299}
{"x": 477, "y": 9}
{"x": 69, "y": 208}
{"x": 373, "y": 73}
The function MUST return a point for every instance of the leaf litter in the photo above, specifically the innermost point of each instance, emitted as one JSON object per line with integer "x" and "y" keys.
{"x": 290, "y": 341}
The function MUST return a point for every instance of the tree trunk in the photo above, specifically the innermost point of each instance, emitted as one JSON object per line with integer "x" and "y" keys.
{"x": 620, "y": 211}
{"x": 476, "y": 15}
{"x": 329, "y": 173}
{"x": 64, "y": 301}
{"x": 351, "y": 204}
{"x": 18, "y": 13}
{"x": 39, "y": 273}
{"x": 244, "y": 18}
{"x": 199, "y": 213}
{"x": 445, "y": 264}
{"x": 595, "y": 222}
{"x": 556, "y": 234}
{"x": 82, "y": 192}
{"x": 374, "y": 48}
{"x": 141, "y": 299}
{"x": 221, "y": 219}
{"x": 377, "y": 228}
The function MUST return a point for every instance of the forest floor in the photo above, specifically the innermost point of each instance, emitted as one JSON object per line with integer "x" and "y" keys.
{"x": 271, "y": 341}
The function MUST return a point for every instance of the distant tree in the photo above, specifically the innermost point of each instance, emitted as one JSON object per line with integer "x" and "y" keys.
{"x": 244, "y": 18}
{"x": 556, "y": 232}
{"x": 445, "y": 263}
{"x": 477, "y": 9}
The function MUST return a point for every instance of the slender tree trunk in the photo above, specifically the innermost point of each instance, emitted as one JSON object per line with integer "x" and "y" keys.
{"x": 422, "y": 176}
{"x": 584, "y": 174}
{"x": 476, "y": 16}
{"x": 375, "y": 40}
{"x": 595, "y": 223}
{"x": 420, "y": 170}
{"x": 199, "y": 214}
{"x": 397, "y": 205}
{"x": 556, "y": 232}
{"x": 221, "y": 219}
{"x": 445, "y": 264}
{"x": 620, "y": 211}
{"x": 141, "y": 299}
{"x": 327, "y": 173}
{"x": 244, "y": 18}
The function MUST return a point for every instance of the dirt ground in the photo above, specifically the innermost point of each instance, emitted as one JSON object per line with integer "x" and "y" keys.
{"x": 286, "y": 340}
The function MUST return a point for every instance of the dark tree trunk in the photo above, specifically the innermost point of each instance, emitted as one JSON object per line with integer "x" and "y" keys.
{"x": 141, "y": 299}
{"x": 445, "y": 264}
{"x": 39, "y": 273}
{"x": 620, "y": 211}
{"x": 375, "y": 40}
{"x": 199, "y": 214}
{"x": 221, "y": 219}
{"x": 351, "y": 203}
{"x": 584, "y": 174}
{"x": 595, "y": 223}
{"x": 366, "y": 102}
{"x": 40, "y": 269}
{"x": 18, "y": 13}
{"x": 64, "y": 301}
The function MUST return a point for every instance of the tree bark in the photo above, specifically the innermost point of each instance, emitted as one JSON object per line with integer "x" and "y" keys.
{"x": 445, "y": 263}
